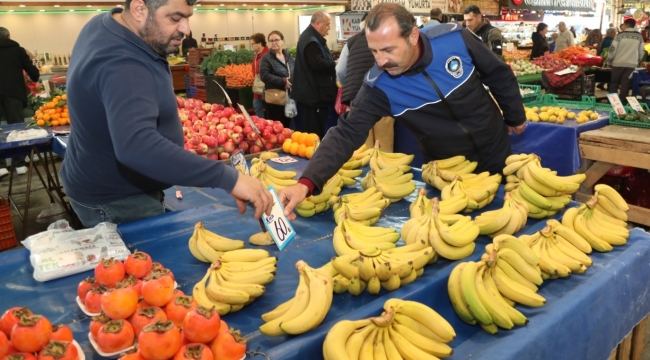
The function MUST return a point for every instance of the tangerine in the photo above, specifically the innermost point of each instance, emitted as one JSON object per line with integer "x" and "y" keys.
{"x": 55, "y": 123}
{"x": 286, "y": 146}
{"x": 40, "y": 122}
{"x": 295, "y": 135}
{"x": 64, "y": 97}
{"x": 309, "y": 152}
{"x": 294, "y": 148}
{"x": 311, "y": 139}
{"x": 46, "y": 117}
{"x": 302, "y": 139}
{"x": 301, "y": 150}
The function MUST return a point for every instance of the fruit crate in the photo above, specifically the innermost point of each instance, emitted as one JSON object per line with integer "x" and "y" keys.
{"x": 201, "y": 94}
{"x": 586, "y": 103}
{"x": 7, "y": 233}
{"x": 194, "y": 70}
{"x": 614, "y": 120}
{"x": 584, "y": 85}
{"x": 531, "y": 97}
{"x": 197, "y": 80}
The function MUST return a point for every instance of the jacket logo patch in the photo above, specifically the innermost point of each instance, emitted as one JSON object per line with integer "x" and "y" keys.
{"x": 454, "y": 67}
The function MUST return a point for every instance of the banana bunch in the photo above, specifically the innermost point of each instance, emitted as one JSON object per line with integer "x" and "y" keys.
{"x": 451, "y": 236}
{"x": 365, "y": 207}
{"x": 601, "y": 221}
{"x": 558, "y": 257}
{"x": 405, "y": 330}
{"x": 422, "y": 204}
{"x": 479, "y": 190}
{"x": 363, "y": 154}
{"x": 381, "y": 160}
{"x": 207, "y": 246}
{"x": 272, "y": 177}
{"x": 350, "y": 236}
{"x": 391, "y": 181}
{"x": 440, "y": 173}
{"x": 307, "y": 309}
{"x": 348, "y": 176}
{"x": 315, "y": 204}
{"x": 507, "y": 220}
{"x": 543, "y": 191}
{"x": 373, "y": 268}
{"x": 265, "y": 155}
{"x": 236, "y": 279}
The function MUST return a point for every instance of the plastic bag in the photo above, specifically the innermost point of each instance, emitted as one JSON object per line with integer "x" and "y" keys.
{"x": 290, "y": 108}
{"x": 59, "y": 253}
{"x": 338, "y": 106}
{"x": 587, "y": 60}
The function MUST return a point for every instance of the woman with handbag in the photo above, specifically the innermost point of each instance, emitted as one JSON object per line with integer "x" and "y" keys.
{"x": 275, "y": 70}
{"x": 258, "y": 44}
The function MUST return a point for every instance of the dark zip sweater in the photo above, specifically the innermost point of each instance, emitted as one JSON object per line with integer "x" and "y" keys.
{"x": 360, "y": 60}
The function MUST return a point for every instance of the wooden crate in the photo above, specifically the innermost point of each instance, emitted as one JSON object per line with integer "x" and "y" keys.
{"x": 631, "y": 348}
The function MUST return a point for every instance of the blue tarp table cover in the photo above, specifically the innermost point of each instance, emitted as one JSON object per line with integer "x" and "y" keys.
{"x": 585, "y": 317}
{"x": 20, "y": 148}
{"x": 59, "y": 145}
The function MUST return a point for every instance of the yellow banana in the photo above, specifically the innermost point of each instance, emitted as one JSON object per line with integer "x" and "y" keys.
{"x": 425, "y": 315}
{"x": 546, "y": 178}
{"x": 280, "y": 175}
{"x": 450, "y": 162}
{"x": 611, "y": 208}
{"x": 278, "y": 311}
{"x": 469, "y": 293}
{"x": 218, "y": 242}
{"x": 506, "y": 305}
{"x": 569, "y": 233}
{"x": 206, "y": 250}
{"x": 456, "y": 297}
{"x": 516, "y": 245}
{"x": 244, "y": 255}
{"x": 356, "y": 286}
{"x": 253, "y": 290}
{"x": 198, "y": 294}
{"x": 337, "y": 335}
{"x": 514, "y": 291}
{"x": 447, "y": 251}
{"x": 297, "y": 306}
{"x": 612, "y": 195}
{"x": 497, "y": 315}
{"x": 223, "y": 294}
{"x": 193, "y": 245}
{"x": 580, "y": 226}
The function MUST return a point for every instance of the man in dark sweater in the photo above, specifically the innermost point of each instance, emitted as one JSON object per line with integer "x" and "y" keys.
{"x": 126, "y": 145}
{"x": 13, "y": 92}
{"x": 315, "y": 77}
{"x": 432, "y": 82}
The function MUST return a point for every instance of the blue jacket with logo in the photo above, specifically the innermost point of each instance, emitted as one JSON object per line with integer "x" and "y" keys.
{"x": 469, "y": 122}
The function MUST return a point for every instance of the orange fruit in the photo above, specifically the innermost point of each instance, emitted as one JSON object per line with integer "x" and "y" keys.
{"x": 309, "y": 152}
{"x": 295, "y": 135}
{"x": 55, "y": 123}
{"x": 311, "y": 139}
{"x": 56, "y": 116}
{"x": 46, "y": 117}
{"x": 294, "y": 148}
{"x": 40, "y": 122}
{"x": 303, "y": 138}
{"x": 39, "y": 117}
{"x": 64, "y": 97}
{"x": 301, "y": 150}
{"x": 286, "y": 146}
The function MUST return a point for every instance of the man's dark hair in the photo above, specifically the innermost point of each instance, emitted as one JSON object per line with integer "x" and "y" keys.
{"x": 4, "y": 33}
{"x": 472, "y": 9}
{"x": 259, "y": 38}
{"x": 153, "y": 5}
{"x": 631, "y": 23}
{"x": 381, "y": 12}
{"x": 435, "y": 13}
{"x": 541, "y": 26}
{"x": 363, "y": 18}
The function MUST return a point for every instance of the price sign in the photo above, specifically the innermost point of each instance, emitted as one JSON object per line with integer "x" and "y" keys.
{"x": 238, "y": 161}
{"x": 277, "y": 224}
{"x": 284, "y": 160}
{"x": 616, "y": 103}
{"x": 634, "y": 103}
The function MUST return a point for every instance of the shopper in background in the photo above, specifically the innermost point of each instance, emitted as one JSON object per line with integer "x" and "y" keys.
{"x": 565, "y": 38}
{"x": 315, "y": 78}
{"x": 126, "y": 145}
{"x": 425, "y": 19}
{"x": 438, "y": 96}
{"x": 625, "y": 53}
{"x": 342, "y": 62}
{"x": 594, "y": 38}
{"x": 646, "y": 34}
{"x": 490, "y": 35}
{"x": 276, "y": 70}
{"x": 189, "y": 43}
{"x": 13, "y": 91}
{"x": 436, "y": 17}
{"x": 258, "y": 44}
{"x": 604, "y": 45}
{"x": 573, "y": 31}
{"x": 540, "y": 45}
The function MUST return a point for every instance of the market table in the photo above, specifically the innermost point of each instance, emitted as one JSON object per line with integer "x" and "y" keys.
{"x": 612, "y": 289}
{"x": 530, "y": 79}
{"x": 614, "y": 145}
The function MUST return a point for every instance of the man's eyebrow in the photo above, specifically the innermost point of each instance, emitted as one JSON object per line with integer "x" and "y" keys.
{"x": 179, "y": 13}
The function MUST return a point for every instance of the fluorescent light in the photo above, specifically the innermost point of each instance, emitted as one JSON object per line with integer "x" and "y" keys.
{"x": 255, "y": 9}
{"x": 89, "y": 6}
{"x": 198, "y": 4}
{"x": 273, "y": 9}
{"x": 72, "y": 10}
{"x": 21, "y": 5}
{"x": 12, "y": 10}
{"x": 119, "y": 6}
{"x": 216, "y": 9}
{"x": 56, "y": 6}
{"x": 42, "y": 10}
{"x": 244, "y": 4}
{"x": 236, "y": 9}
{"x": 266, "y": 4}
{"x": 99, "y": 9}
{"x": 322, "y": 6}
{"x": 220, "y": 4}
{"x": 285, "y": 5}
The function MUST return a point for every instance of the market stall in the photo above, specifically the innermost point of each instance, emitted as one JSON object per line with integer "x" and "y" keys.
{"x": 613, "y": 285}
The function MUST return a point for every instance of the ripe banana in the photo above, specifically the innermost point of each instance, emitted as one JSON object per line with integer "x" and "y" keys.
{"x": 199, "y": 294}
{"x": 612, "y": 195}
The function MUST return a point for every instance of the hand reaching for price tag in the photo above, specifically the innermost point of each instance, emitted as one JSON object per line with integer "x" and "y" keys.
{"x": 249, "y": 189}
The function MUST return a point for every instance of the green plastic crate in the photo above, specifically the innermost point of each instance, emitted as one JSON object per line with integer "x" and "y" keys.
{"x": 587, "y": 103}
{"x": 614, "y": 120}
{"x": 532, "y": 97}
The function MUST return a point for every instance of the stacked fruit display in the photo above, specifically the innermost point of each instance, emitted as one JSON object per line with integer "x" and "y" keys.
{"x": 373, "y": 268}
{"x": 53, "y": 112}
{"x": 378, "y": 159}
{"x": 365, "y": 207}
{"x": 307, "y": 309}
{"x": 451, "y": 236}
{"x": 350, "y": 236}
{"x": 422, "y": 205}
{"x": 207, "y": 246}
{"x": 525, "y": 67}
{"x": 301, "y": 144}
{"x": 484, "y": 293}
{"x": 215, "y": 132}
{"x": 235, "y": 279}
{"x": 25, "y": 335}
{"x": 508, "y": 220}
{"x": 602, "y": 220}
{"x": 405, "y": 330}
{"x": 541, "y": 189}
{"x": 558, "y": 115}
{"x": 269, "y": 176}
{"x": 315, "y": 204}
{"x": 391, "y": 182}
{"x": 549, "y": 63}
{"x": 441, "y": 173}
{"x": 480, "y": 190}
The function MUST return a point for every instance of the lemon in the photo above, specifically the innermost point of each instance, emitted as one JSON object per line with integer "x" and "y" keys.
{"x": 560, "y": 119}
{"x": 535, "y": 118}
{"x": 543, "y": 109}
{"x": 582, "y": 119}
{"x": 529, "y": 116}
{"x": 543, "y": 116}
{"x": 593, "y": 116}
{"x": 571, "y": 115}
{"x": 552, "y": 118}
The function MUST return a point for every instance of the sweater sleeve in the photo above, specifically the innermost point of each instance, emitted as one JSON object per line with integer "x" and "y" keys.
{"x": 132, "y": 124}
{"x": 641, "y": 52}
{"x": 271, "y": 81}
{"x": 612, "y": 51}
{"x": 499, "y": 78}
{"x": 370, "y": 105}
{"x": 28, "y": 66}
{"x": 315, "y": 59}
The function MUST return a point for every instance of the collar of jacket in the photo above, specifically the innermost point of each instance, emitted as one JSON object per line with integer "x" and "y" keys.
{"x": 425, "y": 58}
{"x": 261, "y": 53}
{"x": 8, "y": 43}
{"x": 483, "y": 23}
{"x": 122, "y": 31}
{"x": 316, "y": 35}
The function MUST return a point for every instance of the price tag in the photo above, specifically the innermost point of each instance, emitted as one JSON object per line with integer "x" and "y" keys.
{"x": 634, "y": 103}
{"x": 277, "y": 224}
{"x": 284, "y": 160}
{"x": 616, "y": 103}
{"x": 238, "y": 161}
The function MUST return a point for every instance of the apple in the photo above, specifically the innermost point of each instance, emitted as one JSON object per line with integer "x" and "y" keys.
{"x": 277, "y": 127}
{"x": 213, "y": 132}
{"x": 218, "y": 113}
{"x": 252, "y": 136}
{"x": 198, "y": 121}
{"x": 221, "y": 127}
{"x": 221, "y": 138}
{"x": 188, "y": 146}
{"x": 281, "y": 139}
{"x": 203, "y": 130}
{"x": 189, "y": 104}
{"x": 213, "y": 156}
{"x": 232, "y": 117}
{"x": 236, "y": 138}
{"x": 209, "y": 116}
{"x": 229, "y": 125}
{"x": 259, "y": 142}
{"x": 205, "y": 139}
{"x": 198, "y": 104}
{"x": 268, "y": 146}
{"x": 255, "y": 149}
{"x": 211, "y": 142}
{"x": 219, "y": 149}
{"x": 192, "y": 117}
{"x": 240, "y": 119}
{"x": 287, "y": 133}
{"x": 187, "y": 123}
{"x": 214, "y": 108}
{"x": 207, "y": 107}
{"x": 201, "y": 149}
{"x": 212, "y": 127}
{"x": 243, "y": 147}
{"x": 201, "y": 114}
{"x": 238, "y": 129}
{"x": 229, "y": 133}
{"x": 186, "y": 130}
{"x": 223, "y": 120}
{"x": 183, "y": 116}
{"x": 180, "y": 102}
{"x": 269, "y": 122}
{"x": 228, "y": 146}
{"x": 266, "y": 133}
{"x": 196, "y": 139}
{"x": 228, "y": 111}
{"x": 273, "y": 139}
{"x": 247, "y": 130}
{"x": 224, "y": 156}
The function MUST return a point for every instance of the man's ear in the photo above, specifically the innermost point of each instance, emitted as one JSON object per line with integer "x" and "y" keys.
{"x": 139, "y": 10}
{"x": 415, "y": 35}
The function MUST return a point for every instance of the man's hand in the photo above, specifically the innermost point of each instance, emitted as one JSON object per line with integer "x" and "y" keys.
{"x": 249, "y": 189}
{"x": 517, "y": 129}
{"x": 292, "y": 196}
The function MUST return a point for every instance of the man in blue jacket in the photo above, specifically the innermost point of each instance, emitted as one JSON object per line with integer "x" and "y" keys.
{"x": 432, "y": 82}
{"x": 126, "y": 145}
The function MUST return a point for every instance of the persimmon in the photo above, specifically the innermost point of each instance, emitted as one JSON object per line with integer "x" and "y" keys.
{"x": 11, "y": 317}
{"x": 109, "y": 272}
{"x": 131, "y": 281}
{"x": 178, "y": 307}
{"x": 158, "y": 288}
{"x": 31, "y": 333}
{"x": 93, "y": 300}
{"x": 59, "y": 350}
{"x": 229, "y": 345}
{"x": 201, "y": 324}
{"x": 96, "y": 322}
{"x": 146, "y": 316}
{"x": 6, "y": 347}
{"x": 159, "y": 341}
{"x": 20, "y": 356}
{"x": 156, "y": 266}
{"x": 138, "y": 264}
{"x": 132, "y": 354}
{"x": 194, "y": 351}
{"x": 119, "y": 303}
{"x": 115, "y": 335}
{"x": 61, "y": 332}
{"x": 84, "y": 286}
